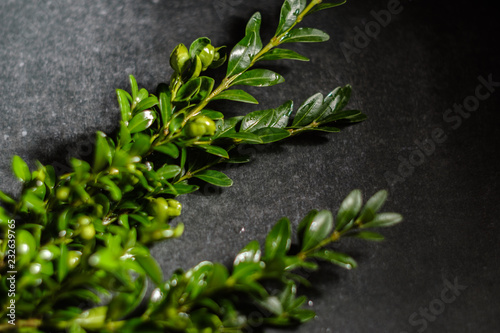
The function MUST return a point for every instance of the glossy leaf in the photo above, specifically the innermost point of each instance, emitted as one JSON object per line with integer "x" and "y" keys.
{"x": 133, "y": 87}
{"x": 326, "y": 5}
{"x": 337, "y": 258}
{"x": 372, "y": 206}
{"x": 214, "y": 177}
{"x": 349, "y": 209}
{"x": 347, "y": 114}
{"x": 114, "y": 191}
{"x": 227, "y": 126}
{"x": 336, "y": 100}
{"x": 282, "y": 114}
{"x": 309, "y": 111}
{"x": 384, "y": 220}
{"x": 206, "y": 87}
{"x": 317, "y": 229}
{"x": 169, "y": 149}
{"x": 249, "y": 254}
{"x": 305, "y": 35}
{"x": 62, "y": 266}
{"x": 278, "y": 240}
{"x": 278, "y": 53}
{"x": 6, "y": 198}
{"x": 103, "y": 154}
{"x": 188, "y": 90}
{"x": 246, "y": 137}
{"x": 290, "y": 10}
{"x": 164, "y": 104}
{"x": 146, "y": 103}
{"x": 256, "y": 120}
{"x": 243, "y": 53}
{"x": 142, "y": 121}
{"x": 168, "y": 171}
{"x": 259, "y": 78}
{"x": 21, "y": 169}
{"x": 270, "y": 134}
{"x": 237, "y": 96}
{"x": 368, "y": 235}
{"x": 214, "y": 115}
{"x": 215, "y": 150}
{"x": 124, "y": 103}
{"x": 151, "y": 267}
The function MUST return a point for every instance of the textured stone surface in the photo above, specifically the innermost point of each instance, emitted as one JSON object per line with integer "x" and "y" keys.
{"x": 60, "y": 62}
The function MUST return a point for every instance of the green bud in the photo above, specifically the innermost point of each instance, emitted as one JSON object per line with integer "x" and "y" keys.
{"x": 207, "y": 56}
{"x": 73, "y": 259}
{"x": 179, "y": 59}
{"x": 87, "y": 232}
{"x": 62, "y": 193}
{"x": 174, "y": 208}
{"x": 207, "y": 123}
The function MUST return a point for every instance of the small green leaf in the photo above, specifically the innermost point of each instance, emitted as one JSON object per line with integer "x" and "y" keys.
{"x": 278, "y": 240}
{"x": 270, "y": 134}
{"x": 21, "y": 169}
{"x": 245, "y": 137}
{"x": 326, "y": 5}
{"x": 133, "y": 87}
{"x": 256, "y": 120}
{"x": 305, "y": 35}
{"x": 6, "y": 198}
{"x": 141, "y": 144}
{"x": 347, "y": 114}
{"x": 214, "y": 177}
{"x": 368, "y": 235}
{"x": 226, "y": 126}
{"x": 143, "y": 93}
{"x": 259, "y": 78}
{"x": 277, "y": 54}
{"x": 114, "y": 190}
{"x": 337, "y": 258}
{"x": 164, "y": 104}
{"x": 206, "y": 87}
{"x": 328, "y": 129}
{"x": 249, "y": 254}
{"x": 384, "y": 220}
{"x": 372, "y": 206}
{"x": 290, "y": 11}
{"x": 146, "y": 103}
{"x": 318, "y": 228}
{"x": 215, "y": 150}
{"x": 243, "y": 53}
{"x": 142, "y": 121}
{"x": 176, "y": 122}
{"x": 169, "y": 149}
{"x": 103, "y": 153}
{"x": 282, "y": 115}
{"x": 179, "y": 58}
{"x": 214, "y": 115}
{"x": 237, "y": 96}
{"x": 124, "y": 104}
{"x": 124, "y": 135}
{"x": 198, "y": 45}
{"x": 349, "y": 209}
{"x": 151, "y": 267}
{"x": 168, "y": 171}
{"x": 309, "y": 110}
{"x": 188, "y": 90}
{"x": 62, "y": 266}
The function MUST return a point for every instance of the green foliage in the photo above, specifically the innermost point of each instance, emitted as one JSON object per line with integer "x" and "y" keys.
{"x": 83, "y": 238}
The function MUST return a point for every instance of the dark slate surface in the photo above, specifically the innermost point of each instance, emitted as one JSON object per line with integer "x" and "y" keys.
{"x": 61, "y": 60}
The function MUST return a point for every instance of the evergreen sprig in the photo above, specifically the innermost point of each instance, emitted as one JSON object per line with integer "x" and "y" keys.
{"x": 81, "y": 251}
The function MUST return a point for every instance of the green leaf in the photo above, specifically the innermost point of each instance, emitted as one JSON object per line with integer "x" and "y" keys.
{"x": 168, "y": 171}
{"x": 142, "y": 121}
{"x": 372, "y": 206}
{"x": 62, "y": 266}
{"x": 305, "y": 35}
{"x": 146, "y": 103}
{"x": 290, "y": 10}
{"x": 245, "y": 137}
{"x": 326, "y": 5}
{"x": 206, "y": 87}
{"x": 282, "y": 115}
{"x": 188, "y": 90}
{"x": 176, "y": 122}
{"x": 309, "y": 110}
{"x": 151, "y": 267}
{"x": 133, "y": 87}
{"x": 125, "y": 302}
{"x": 336, "y": 100}
{"x": 328, "y": 129}
{"x": 103, "y": 153}
{"x": 114, "y": 191}
{"x": 347, "y": 114}
{"x": 215, "y": 150}
{"x": 249, "y": 254}
{"x": 337, "y": 258}
{"x": 384, "y": 220}
{"x": 278, "y": 240}
{"x": 214, "y": 115}
{"x": 141, "y": 144}
{"x": 124, "y": 103}
{"x": 50, "y": 176}
{"x": 277, "y": 54}
{"x": 368, "y": 235}
{"x": 164, "y": 104}
{"x": 179, "y": 58}
{"x": 256, "y": 120}
{"x": 243, "y": 53}
{"x": 124, "y": 135}
{"x": 317, "y": 229}
{"x": 198, "y": 45}
{"x": 169, "y": 149}
{"x": 349, "y": 209}
{"x": 214, "y": 177}
{"x": 226, "y": 126}
{"x": 143, "y": 93}
{"x": 6, "y": 198}
{"x": 21, "y": 169}
{"x": 270, "y": 134}
{"x": 184, "y": 188}
{"x": 237, "y": 96}
{"x": 259, "y": 78}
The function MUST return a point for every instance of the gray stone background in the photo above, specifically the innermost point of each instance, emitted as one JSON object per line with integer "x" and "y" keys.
{"x": 61, "y": 60}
